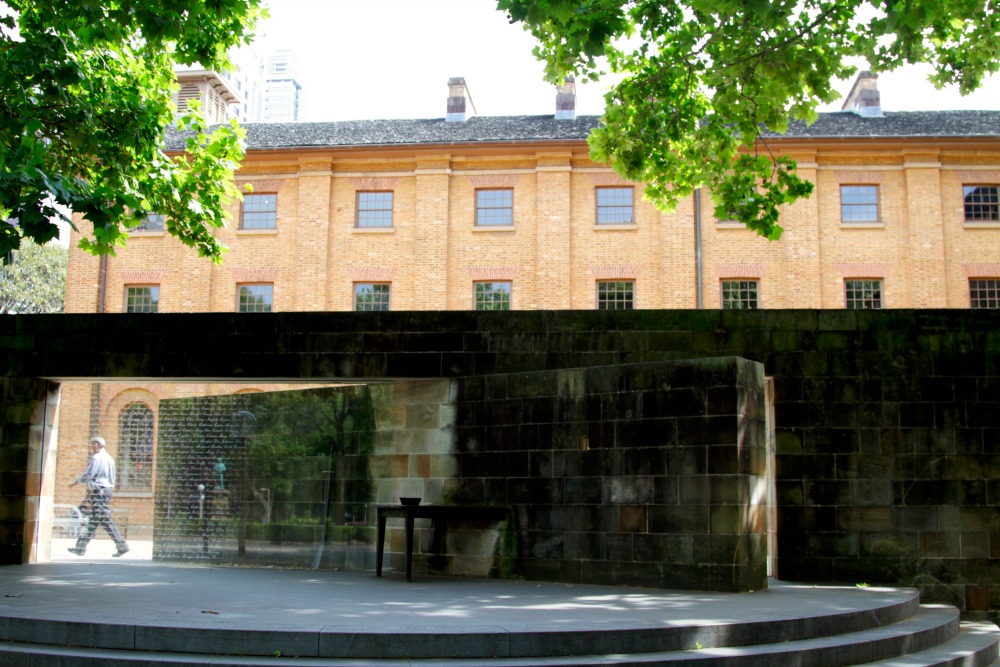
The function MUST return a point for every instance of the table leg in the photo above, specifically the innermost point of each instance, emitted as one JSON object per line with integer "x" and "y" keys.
{"x": 381, "y": 545}
{"x": 409, "y": 546}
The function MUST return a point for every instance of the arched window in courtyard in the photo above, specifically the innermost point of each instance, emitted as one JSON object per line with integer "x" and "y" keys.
{"x": 135, "y": 448}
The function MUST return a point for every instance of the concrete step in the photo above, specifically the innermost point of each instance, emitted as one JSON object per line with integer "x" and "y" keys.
{"x": 930, "y": 638}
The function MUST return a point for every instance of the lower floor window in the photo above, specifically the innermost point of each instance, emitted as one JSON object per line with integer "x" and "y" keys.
{"x": 135, "y": 447}
{"x": 493, "y": 296}
{"x": 615, "y": 295}
{"x": 255, "y": 298}
{"x": 984, "y": 293}
{"x": 863, "y": 294}
{"x": 371, "y": 296}
{"x": 145, "y": 299}
{"x": 739, "y": 294}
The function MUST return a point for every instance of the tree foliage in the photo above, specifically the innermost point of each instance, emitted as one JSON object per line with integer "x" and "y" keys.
{"x": 34, "y": 280}
{"x": 703, "y": 81}
{"x": 85, "y": 97}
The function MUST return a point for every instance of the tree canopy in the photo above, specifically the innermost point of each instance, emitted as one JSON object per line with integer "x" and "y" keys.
{"x": 703, "y": 81}
{"x": 85, "y": 97}
{"x": 34, "y": 279}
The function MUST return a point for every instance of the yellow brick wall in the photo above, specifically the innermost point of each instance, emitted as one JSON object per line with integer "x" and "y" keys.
{"x": 554, "y": 254}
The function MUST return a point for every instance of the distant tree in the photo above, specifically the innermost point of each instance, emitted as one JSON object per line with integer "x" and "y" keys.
{"x": 85, "y": 97}
{"x": 705, "y": 80}
{"x": 34, "y": 280}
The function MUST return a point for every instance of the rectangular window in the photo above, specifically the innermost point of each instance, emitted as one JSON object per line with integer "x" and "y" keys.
{"x": 142, "y": 299}
{"x": 259, "y": 212}
{"x": 615, "y": 295}
{"x": 153, "y": 222}
{"x": 859, "y": 203}
{"x": 984, "y": 293}
{"x": 739, "y": 294}
{"x": 254, "y": 298}
{"x": 374, "y": 209}
{"x": 614, "y": 206}
{"x": 494, "y": 208}
{"x": 863, "y": 294}
{"x": 493, "y": 296}
{"x": 371, "y": 296}
{"x": 982, "y": 203}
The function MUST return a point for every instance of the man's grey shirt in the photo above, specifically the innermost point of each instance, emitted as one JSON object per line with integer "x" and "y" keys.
{"x": 100, "y": 472}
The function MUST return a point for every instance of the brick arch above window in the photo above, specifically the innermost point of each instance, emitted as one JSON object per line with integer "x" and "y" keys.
{"x": 493, "y": 180}
{"x": 261, "y": 186}
{"x": 374, "y": 183}
{"x": 371, "y": 274}
{"x": 615, "y": 271}
{"x": 255, "y": 275}
{"x": 608, "y": 178}
{"x": 981, "y": 269}
{"x": 140, "y": 276}
{"x": 492, "y": 272}
{"x": 865, "y": 269}
{"x": 978, "y": 175}
{"x": 858, "y": 176}
{"x": 740, "y": 270}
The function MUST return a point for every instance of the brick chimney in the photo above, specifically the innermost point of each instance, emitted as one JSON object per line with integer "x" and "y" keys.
{"x": 459, "y": 100}
{"x": 864, "y": 98}
{"x": 566, "y": 100}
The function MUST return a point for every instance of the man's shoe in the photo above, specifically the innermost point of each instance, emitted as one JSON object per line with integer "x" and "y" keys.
{"x": 121, "y": 552}
{"x": 76, "y": 550}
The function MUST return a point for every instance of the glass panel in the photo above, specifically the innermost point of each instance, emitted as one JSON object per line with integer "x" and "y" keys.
{"x": 982, "y": 203}
{"x": 494, "y": 207}
{"x": 863, "y": 294}
{"x": 493, "y": 296}
{"x": 614, "y": 206}
{"x": 374, "y": 209}
{"x": 739, "y": 294}
{"x": 371, "y": 296}
{"x": 984, "y": 293}
{"x": 615, "y": 295}
{"x": 859, "y": 203}
{"x": 142, "y": 299}
{"x": 255, "y": 298}
{"x": 260, "y": 211}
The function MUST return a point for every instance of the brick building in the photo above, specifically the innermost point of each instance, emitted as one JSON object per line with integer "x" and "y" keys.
{"x": 469, "y": 212}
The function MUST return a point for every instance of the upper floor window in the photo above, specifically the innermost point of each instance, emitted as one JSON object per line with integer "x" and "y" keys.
{"x": 493, "y": 296}
{"x": 153, "y": 222}
{"x": 142, "y": 299}
{"x": 374, "y": 209}
{"x": 615, "y": 295}
{"x": 859, "y": 203}
{"x": 254, "y": 298}
{"x": 984, "y": 293}
{"x": 863, "y": 294}
{"x": 614, "y": 206}
{"x": 494, "y": 207}
{"x": 259, "y": 212}
{"x": 739, "y": 294}
{"x": 982, "y": 203}
{"x": 371, "y": 296}
{"x": 135, "y": 447}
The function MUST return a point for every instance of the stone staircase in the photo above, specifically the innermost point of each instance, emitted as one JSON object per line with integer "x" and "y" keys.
{"x": 896, "y": 631}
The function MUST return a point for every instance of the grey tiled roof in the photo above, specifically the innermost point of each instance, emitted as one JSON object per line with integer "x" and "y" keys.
{"x": 490, "y": 129}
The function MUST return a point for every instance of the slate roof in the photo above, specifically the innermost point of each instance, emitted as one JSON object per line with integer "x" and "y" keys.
{"x": 515, "y": 129}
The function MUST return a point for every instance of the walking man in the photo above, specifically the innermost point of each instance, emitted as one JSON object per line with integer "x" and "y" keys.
{"x": 100, "y": 480}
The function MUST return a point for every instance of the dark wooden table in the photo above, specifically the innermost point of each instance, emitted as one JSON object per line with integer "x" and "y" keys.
{"x": 437, "y": 513}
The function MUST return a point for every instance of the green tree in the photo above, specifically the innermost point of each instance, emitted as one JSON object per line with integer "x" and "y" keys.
{"x": 34, "y": 280}
{"x": 85, "y": 98}
{"x": 704, "y": 81}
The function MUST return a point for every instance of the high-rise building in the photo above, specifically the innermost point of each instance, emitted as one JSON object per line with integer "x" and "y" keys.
{"x": 282, "y": 88}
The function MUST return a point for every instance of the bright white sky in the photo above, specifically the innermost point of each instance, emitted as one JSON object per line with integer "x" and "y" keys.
{"x": 372, "y": 59}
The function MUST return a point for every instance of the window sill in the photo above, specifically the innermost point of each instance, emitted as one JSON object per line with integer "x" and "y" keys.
{"x": 862, "y": 225}
{"x": 729, "y": 224}
{"x": 373, "y": 230}
{"x": 493, "y": 228}
{"x": 257, "y": 232}
{"x": 148, "y": 233}
{"x": 133, "y": 494}
{"x": 973, "y": 224}
{"x": 615, "y": 228}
